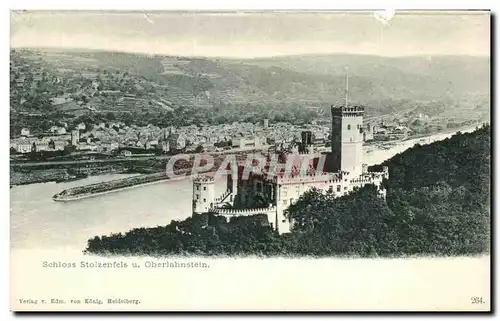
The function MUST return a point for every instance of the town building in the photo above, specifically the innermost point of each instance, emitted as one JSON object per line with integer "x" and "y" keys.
{"x": 75, "y": 137}
{"x": 246, "y": 142}
{"x": 25, "y": 132}
{"x": 368, "y": 133}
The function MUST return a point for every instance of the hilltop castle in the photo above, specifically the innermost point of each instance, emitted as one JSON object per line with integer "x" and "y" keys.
{"x": 271, "y": 194}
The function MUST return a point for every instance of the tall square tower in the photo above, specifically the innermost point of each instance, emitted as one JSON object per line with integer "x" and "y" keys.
{"x": 347, "y": 139}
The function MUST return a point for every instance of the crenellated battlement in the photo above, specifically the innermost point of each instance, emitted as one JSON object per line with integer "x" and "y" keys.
{"x": 362, "y": 181}
{"x": 222, "y": 197}
{"x": 368, "y": 178}
{"x": 310, "y": 178}
{"x": 243, "y": 212}
{"x": 204, "y": 179}
{"x": 343, "y": 110}
{"x": 310, "y": 153}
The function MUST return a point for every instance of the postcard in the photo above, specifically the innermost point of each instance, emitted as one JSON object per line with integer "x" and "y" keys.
{"x": 250, "y": 161}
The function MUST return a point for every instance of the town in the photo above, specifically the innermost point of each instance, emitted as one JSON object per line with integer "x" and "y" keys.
{"x": 117, "y": 137}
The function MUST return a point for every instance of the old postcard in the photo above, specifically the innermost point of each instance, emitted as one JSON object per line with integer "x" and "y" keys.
{"x": 250, "y": 161}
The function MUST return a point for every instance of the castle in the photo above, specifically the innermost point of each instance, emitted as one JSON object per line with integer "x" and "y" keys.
{"x": 262, "y": 193}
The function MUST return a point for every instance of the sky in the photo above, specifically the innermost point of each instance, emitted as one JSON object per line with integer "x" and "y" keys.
{"x": 249, "y": 35}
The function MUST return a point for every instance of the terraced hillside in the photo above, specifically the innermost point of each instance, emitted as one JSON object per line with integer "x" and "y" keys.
{"x": 210, "y": 89}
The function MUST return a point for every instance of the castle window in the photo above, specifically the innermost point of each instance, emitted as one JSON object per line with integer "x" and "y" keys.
{"x": 204, "y": 188}
{"x": 204, "y": 200}
{"x": 284, "y": 202}
{"x": 338, "y": 188}
{"x": 197, "y": 197}
{"x": 197, "y": 187}
{"x": 349, "y": 127}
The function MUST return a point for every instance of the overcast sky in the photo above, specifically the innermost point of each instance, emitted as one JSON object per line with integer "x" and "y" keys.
{"x": 255, "y": 34}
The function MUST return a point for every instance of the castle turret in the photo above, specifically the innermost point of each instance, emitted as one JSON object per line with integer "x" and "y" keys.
{"x": 203, "y": 194}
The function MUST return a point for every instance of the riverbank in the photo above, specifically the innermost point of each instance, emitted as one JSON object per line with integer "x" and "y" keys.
{"x": 33, "y": 177}
{"x": 416, "y": 137}
{"x": 26, "y": 176}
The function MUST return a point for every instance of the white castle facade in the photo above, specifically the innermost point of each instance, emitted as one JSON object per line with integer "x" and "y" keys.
{"x": 262, "y": 193}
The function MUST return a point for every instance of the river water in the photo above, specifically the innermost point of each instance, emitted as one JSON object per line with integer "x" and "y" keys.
{"x": 37, "y": 222}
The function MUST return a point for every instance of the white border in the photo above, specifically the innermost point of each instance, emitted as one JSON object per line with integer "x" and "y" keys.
{"x": 250, "y": 5}
{"x": 181, "y": 5}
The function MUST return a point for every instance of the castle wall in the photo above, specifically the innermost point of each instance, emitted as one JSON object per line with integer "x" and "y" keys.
{"x": 351, "y": 161}
{"x": 228, "y": 213}
{"x": 291, "y": 189}
{"x": 248, "y": 190}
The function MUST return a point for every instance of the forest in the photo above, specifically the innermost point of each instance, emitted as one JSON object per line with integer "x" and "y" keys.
{"x": 438, "y": 203}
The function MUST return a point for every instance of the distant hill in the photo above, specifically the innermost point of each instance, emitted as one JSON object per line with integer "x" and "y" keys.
{"x": 234, "y": 87}
{"x": 412, "y": 77}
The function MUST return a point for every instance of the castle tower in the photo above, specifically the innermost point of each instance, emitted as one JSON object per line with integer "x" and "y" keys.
{"x": 203, "y": 194}
{"x": 347, "y": 140}
{"x": 347, "y": 137}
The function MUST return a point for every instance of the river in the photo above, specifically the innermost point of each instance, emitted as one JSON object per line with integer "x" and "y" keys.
{"x": 37, "y": 222}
